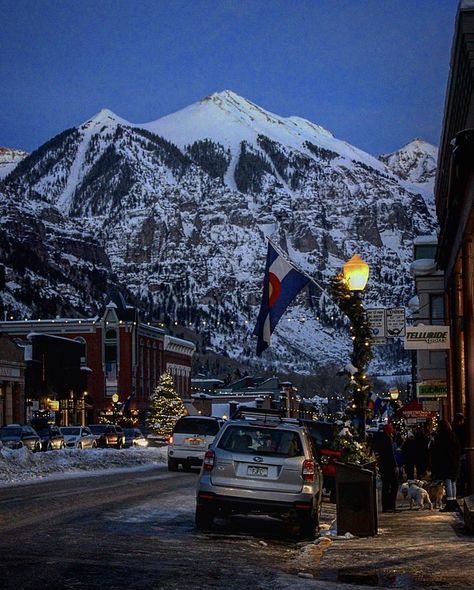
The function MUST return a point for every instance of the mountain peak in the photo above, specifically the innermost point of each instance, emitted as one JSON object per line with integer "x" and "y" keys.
{"x": 415, "y": 161}
{"x": 105, "y": 117}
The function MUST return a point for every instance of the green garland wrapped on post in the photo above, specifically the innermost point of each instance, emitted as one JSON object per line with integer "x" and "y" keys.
{"x": 359, "y": 385}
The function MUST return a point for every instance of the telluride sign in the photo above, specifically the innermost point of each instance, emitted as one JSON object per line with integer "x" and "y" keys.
{"x": 427, "y": 337}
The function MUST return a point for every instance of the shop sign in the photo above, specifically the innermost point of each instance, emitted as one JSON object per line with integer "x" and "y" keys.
{"x": 431, "y": 406}
{"x": 432, "y": 389}
{"x": 10, "y": 372}
{"x": 376, "y": 319}
{"x": 414, "y": 410}
{"x": 395, "y": 322}
{"x": 427, "y": 337}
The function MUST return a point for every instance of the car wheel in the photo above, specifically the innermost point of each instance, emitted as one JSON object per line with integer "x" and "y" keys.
{"x": 94, "y": 445}
{"x": 80, "y": 446}
{"x": 204, "y": 516}
{"x": 49, "y": 447}
{"x": 172, "y": 465}
{"x": 119, "y": 444}
{"x": 308, "y": 525}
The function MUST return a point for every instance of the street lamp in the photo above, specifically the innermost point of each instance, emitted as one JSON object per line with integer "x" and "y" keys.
{"x": 356, "y": 274}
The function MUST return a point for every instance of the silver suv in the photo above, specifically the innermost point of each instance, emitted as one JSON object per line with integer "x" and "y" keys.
{"x": 261, "y": 463}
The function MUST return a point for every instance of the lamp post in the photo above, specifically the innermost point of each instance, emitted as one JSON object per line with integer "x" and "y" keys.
{"x": 346, "y": 288}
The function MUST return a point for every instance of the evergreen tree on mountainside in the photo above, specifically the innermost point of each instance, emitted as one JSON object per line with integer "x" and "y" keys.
{"x": 166, "y": 407}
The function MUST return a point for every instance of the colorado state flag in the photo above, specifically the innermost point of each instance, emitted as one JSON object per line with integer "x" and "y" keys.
{"x": 281, "y": 285}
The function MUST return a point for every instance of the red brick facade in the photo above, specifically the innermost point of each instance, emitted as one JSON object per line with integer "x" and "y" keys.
{"x": 123, "y": 356}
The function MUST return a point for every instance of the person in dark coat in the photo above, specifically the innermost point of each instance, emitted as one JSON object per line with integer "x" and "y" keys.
{"x": 421, "y": 443}
{"x": 384, "y": 451}
{"x": 409, "y": 455}
{"x": 445, "y": 461}
{"x": 459, "y": 429}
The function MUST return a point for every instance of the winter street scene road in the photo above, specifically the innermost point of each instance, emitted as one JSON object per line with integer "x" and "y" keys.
{"x": 237, "y": 295}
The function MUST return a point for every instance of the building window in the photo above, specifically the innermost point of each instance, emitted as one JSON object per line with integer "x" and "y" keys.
{"x": 425, "y": 251}
{"x": 437, "y": 309}
{"x": 111, "y": 361}
{"x": 83, "y": 358}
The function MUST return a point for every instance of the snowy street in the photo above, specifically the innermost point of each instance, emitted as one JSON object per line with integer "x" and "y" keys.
{"x": 131, "y": 528}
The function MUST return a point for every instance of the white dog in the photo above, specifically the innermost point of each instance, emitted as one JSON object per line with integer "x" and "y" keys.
{"x": 418, "y": 496}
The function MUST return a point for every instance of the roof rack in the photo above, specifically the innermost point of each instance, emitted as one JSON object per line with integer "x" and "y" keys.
{"x": 262, "y": 415}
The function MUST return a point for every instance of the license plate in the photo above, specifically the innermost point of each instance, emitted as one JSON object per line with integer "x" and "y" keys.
{"x": 194, "y": 441}
{"x": 257, "y": 471}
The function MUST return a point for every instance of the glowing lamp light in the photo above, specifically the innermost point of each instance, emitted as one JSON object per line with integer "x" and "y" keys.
{"x": 356, "y": 273}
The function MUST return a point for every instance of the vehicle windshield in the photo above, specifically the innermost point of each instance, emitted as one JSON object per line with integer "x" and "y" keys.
{"x": 264, "y": 441}
{"x": 9, "y": 432}
{"x": 98, "y": 428}
{"x": 70, "y": 431}
{"x": 129, "y": 431}
{"x": 196, "y": 426}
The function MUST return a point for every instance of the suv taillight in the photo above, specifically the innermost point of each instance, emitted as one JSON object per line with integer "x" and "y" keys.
{"x": 308, "y": 470}
{"x": 208, "y": 463}
{"x": 170, "y": 439}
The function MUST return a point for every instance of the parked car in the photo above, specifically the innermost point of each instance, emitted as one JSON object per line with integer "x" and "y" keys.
{"x": 108, "y": 435}
{"x": 51, "y": 436}
{"x": 134, "y": 437}
{"x": 78, "y": 437}
{"x": 16, "y": 436}
{"x": 190, "y": 439}
{"x": 323, "y": 434}
{"x": 261, "y": 463}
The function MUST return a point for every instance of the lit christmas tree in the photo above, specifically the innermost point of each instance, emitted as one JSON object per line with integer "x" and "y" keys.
{"x": 165, "y": 407}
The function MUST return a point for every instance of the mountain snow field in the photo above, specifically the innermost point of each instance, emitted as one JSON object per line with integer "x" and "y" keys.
{"x": 176, "y": 212}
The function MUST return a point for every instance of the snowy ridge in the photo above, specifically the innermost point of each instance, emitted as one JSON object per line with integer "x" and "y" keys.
{"x": 229, "y": 119}
{"x": 9, "y": 158}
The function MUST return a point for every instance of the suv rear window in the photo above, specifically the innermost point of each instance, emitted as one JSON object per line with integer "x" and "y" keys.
{"x": 321, "y": 432}
{"x": 264, "y": 441}
{"x": 196, "y": 426}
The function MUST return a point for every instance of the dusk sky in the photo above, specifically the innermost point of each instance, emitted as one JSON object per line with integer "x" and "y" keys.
{"x": 373, "y": 72}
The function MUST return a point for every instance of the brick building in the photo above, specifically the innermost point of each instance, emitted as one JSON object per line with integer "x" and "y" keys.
{"x": 454, "y": 194}
{"x": 122, "y": 356}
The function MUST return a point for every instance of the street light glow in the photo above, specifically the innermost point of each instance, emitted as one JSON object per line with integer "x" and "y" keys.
{"x": 356, "y": 273}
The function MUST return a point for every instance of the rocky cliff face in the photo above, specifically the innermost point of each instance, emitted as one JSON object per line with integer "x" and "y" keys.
{"x": 178, "y": 211}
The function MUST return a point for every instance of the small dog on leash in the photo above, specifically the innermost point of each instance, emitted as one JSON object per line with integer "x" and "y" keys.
{"x": 406, "y": 485}
{"x": 418, "y": 496}
{"x": 436, "y": 492}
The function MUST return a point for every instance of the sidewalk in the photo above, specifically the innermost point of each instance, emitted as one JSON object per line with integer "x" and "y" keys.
{"x": 414, "y": 549}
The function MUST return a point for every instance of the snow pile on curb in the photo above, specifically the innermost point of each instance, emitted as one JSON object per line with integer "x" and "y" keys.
{"x": 21, "y": 465}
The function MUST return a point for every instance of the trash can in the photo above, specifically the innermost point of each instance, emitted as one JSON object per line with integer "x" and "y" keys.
{"x": 356, "y": 500}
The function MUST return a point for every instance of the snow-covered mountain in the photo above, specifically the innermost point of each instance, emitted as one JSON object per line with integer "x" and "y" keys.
{"x": 416, "y": 162}
{"x": 9, "y": 158}
{"x": 181, "y": 207}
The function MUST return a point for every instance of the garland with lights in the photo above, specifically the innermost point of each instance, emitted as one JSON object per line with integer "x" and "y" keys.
{"x": 350, "y": 304}
{"x": 166, "y": 407}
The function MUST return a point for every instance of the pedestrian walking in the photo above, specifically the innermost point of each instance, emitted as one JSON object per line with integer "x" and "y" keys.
{"x": 421, "y": 443}
{"x": 384, "y": 451}
{"x": 409, "y": 455}
{"x": 459, "y": 429}
{"x": 445, "y": 462}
